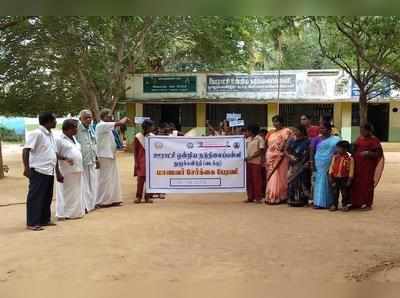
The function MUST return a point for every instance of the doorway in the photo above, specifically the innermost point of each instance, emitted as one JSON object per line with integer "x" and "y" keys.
{"x": 378, "y": 116}
{"x": 291, "y": 112}
{"x": 182, "y": 115}
{"x": 170, "y": 114}
{"x": 250, "y": 113}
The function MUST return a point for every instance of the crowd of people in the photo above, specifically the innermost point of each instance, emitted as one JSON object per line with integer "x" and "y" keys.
{"x": 299, "y": 165}
{"x": 83, "y": 162}
{"x": 308, "y": 164}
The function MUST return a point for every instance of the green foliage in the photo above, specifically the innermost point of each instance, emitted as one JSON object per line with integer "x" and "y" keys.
{"x": 9, "y": 135}
{"x": 336, "y": 46}
{"x": 63, "y": 64}
{"x": 376, "y": 40}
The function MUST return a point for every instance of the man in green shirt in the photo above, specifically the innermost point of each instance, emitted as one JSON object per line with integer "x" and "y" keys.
{"x": 86, "y": 137}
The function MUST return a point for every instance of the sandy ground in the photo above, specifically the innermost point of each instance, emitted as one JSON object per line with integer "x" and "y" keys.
{"x": 191, "y": 242}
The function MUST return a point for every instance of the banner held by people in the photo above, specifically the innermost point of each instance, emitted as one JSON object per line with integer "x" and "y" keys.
{"x": 195, "y": 164}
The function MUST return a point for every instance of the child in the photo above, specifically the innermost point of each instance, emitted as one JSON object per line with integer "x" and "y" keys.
{"x": 255, "y": 148}
{"x": 341, "y": 174}
{"x": 140, "y": 161}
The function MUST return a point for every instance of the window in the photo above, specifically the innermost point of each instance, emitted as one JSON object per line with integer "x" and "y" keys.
{"x": 291, "y": 112}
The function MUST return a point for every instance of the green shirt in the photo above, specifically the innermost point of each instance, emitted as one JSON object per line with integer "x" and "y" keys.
{"x": 86, "y": 138}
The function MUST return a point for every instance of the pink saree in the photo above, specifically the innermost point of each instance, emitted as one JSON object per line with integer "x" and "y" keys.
{"x": 277, "y": 186}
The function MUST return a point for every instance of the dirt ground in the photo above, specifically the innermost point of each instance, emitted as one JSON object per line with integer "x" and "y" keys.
{"x": 190, "y": 242}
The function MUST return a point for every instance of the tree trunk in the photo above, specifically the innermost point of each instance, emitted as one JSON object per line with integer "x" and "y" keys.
{"x": 1, "y": 162}
{"x": 94, "y": 105}
{"x": 363, "y": 104}
{"x": 89, "y": 93}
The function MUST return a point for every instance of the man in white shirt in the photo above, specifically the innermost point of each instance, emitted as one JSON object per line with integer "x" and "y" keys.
{"x": 40, "y": 163}
{"x": 69, "y": 204}
{"x": 108, "y": 184}
{"x": 87, "y": 140}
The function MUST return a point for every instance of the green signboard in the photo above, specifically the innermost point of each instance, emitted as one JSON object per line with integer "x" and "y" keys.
{"x": 169, "y": 84}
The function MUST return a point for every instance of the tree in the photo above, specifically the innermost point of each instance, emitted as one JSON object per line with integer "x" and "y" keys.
{"x": 7, "y": 23}
{"x": 62, "y": 64}
{"x": 77, "y": 61}
{"x": 379, "y": 46}
{"x": 335, "y": 45}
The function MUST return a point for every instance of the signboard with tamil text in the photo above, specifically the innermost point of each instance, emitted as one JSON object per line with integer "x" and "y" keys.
{"x": 195, "y": 164}
{"x": 171, "y": 84}
{"x": 251, "y": 83}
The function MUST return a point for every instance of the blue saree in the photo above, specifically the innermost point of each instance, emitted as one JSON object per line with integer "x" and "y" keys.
{"x": 322, "y": 190}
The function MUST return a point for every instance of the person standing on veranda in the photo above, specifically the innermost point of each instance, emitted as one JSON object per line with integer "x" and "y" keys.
{"x": 69, "y": 203}
{"x": 87, "y": 139}
{"x": 312, "y": 130}
{"x": 40, "y": 163}
{"x": 108, "y": 183}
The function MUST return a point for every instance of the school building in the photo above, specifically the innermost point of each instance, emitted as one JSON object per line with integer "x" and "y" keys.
{"x": 191, "y": 99}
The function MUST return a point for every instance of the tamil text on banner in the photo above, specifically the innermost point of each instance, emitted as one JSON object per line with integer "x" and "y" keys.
{"x": 195, "y": 164}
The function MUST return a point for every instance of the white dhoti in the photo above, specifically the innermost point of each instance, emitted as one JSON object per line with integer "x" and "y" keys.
{"x": 108, "y": 184}
{"x": 89, "y": 187}
{"x": 69, "y": 202}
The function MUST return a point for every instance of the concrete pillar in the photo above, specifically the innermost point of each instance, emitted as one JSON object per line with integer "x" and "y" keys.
{"x": 139, "y": 109}
{"x": 132, "y": 129}
{"x": 272, "y": 111}
{"x": 346, "y": 121}
{"x": 131, "y": 111}
{"x": 201, "y": 111}
{"x": 394, "y": 122}
{"x": 337, "y": 115}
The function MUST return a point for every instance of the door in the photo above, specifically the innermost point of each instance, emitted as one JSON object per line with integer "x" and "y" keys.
{"x": 170, "y": 113}
{"x": 378, "y": 116}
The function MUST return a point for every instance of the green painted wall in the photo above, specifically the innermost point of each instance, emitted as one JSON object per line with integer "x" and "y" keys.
{"x": 394, "y": 134}
{"x": 350, "y": 134}
{"x": 346, "y": 133}
{"x": 355, "y": 132}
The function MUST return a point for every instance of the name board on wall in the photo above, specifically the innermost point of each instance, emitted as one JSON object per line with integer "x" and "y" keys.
{"x": 251, "y": 83}
{"x": 171, "y": 84}
{"x": 382, "y": 90}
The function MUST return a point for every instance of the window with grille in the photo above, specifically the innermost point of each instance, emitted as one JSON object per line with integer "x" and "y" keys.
{"x": 251, "y": 113}
{"x": 291, "y": 113}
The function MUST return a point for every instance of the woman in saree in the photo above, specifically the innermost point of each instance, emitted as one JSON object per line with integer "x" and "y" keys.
{"x": 368, "y": 158}
{"x": 298, "y": 151}
{"x": 277, "y": 162}
{"x": 324, "y": 147}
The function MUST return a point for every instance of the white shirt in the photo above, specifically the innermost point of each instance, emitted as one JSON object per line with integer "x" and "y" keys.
{"x": 70, "y": 149}
{"x": 42, "y": 157}
{"x": 253, "y": 145}
{"x": 106, "y": 146}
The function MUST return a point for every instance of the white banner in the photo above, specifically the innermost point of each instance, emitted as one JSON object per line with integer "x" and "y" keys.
{"x": 233, "y": 116}
{"x": 140, "y": 120}
{"x": 236, "y": 123}
{"x": 195, "y": 164}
